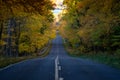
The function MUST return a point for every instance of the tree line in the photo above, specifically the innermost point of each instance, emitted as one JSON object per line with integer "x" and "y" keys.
{"x": 92, "y": 26}
{"x": 25, "y": 26}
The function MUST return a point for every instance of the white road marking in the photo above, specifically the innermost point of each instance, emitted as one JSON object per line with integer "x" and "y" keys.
{"x": 58, "y": 62}
{"x": 56, "y": 69}
{"x": 59, "y": 67}
{"x": 61, "y": 78}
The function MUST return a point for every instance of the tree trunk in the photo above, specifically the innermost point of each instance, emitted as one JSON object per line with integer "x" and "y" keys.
{"x": 9, "y": 33}
{"x": 1, "y": 29}
{"x": 17, "y": 39}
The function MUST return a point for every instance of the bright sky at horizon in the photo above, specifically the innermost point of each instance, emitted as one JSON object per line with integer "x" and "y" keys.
{"x": 57, "y": 2}
{"x": 57, "y": 11}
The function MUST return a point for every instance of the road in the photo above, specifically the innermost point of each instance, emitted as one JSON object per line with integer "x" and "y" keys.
{"x": 59, "y": 66}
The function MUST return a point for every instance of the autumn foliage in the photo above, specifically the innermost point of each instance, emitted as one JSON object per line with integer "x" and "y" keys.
{"x": 92, "y": 26}
{"x": 25, "y": 26}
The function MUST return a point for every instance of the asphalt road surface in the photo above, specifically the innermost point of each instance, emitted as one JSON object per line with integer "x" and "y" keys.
{"x": 59, "y": 66}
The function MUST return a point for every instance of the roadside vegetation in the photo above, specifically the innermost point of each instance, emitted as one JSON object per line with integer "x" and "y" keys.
{"x": 26, "y": 27}
{"x": 6, "y": 61}
{"x": 91, "y": 29}
{"x": 104, "y": 58}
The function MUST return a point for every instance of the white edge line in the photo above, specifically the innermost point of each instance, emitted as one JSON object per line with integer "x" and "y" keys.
{"x": 11, "y": 65}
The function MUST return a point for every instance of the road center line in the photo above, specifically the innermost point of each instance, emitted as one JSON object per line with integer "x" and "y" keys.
{"x": 59, "y": 67}
{"x": 61, "y": 78}
{"x": 56, "y": 69}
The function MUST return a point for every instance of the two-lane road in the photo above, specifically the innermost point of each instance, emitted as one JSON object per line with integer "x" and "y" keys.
{"x": 59, "y": 66}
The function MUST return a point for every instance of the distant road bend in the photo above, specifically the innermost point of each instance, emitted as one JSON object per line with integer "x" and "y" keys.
{"x": 59, "y": 66}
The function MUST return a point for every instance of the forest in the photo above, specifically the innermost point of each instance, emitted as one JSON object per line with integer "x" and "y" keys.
{"x": 88, "y": 27}
{"x": 25, "y": 26}
{"x": 92, "y": 27}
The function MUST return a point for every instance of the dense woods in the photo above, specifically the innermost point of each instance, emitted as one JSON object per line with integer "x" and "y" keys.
{"x": 92, "y": 26}
{"x": 25, "y": 26}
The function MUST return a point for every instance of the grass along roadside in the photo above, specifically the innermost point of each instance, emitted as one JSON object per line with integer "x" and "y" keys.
{"x": 104, "y": 58}
{"x": 11, "y": 60}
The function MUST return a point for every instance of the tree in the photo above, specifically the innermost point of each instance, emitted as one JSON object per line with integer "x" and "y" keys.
{"x": 95, "y": 23}
{"x": 19, "y": 18}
